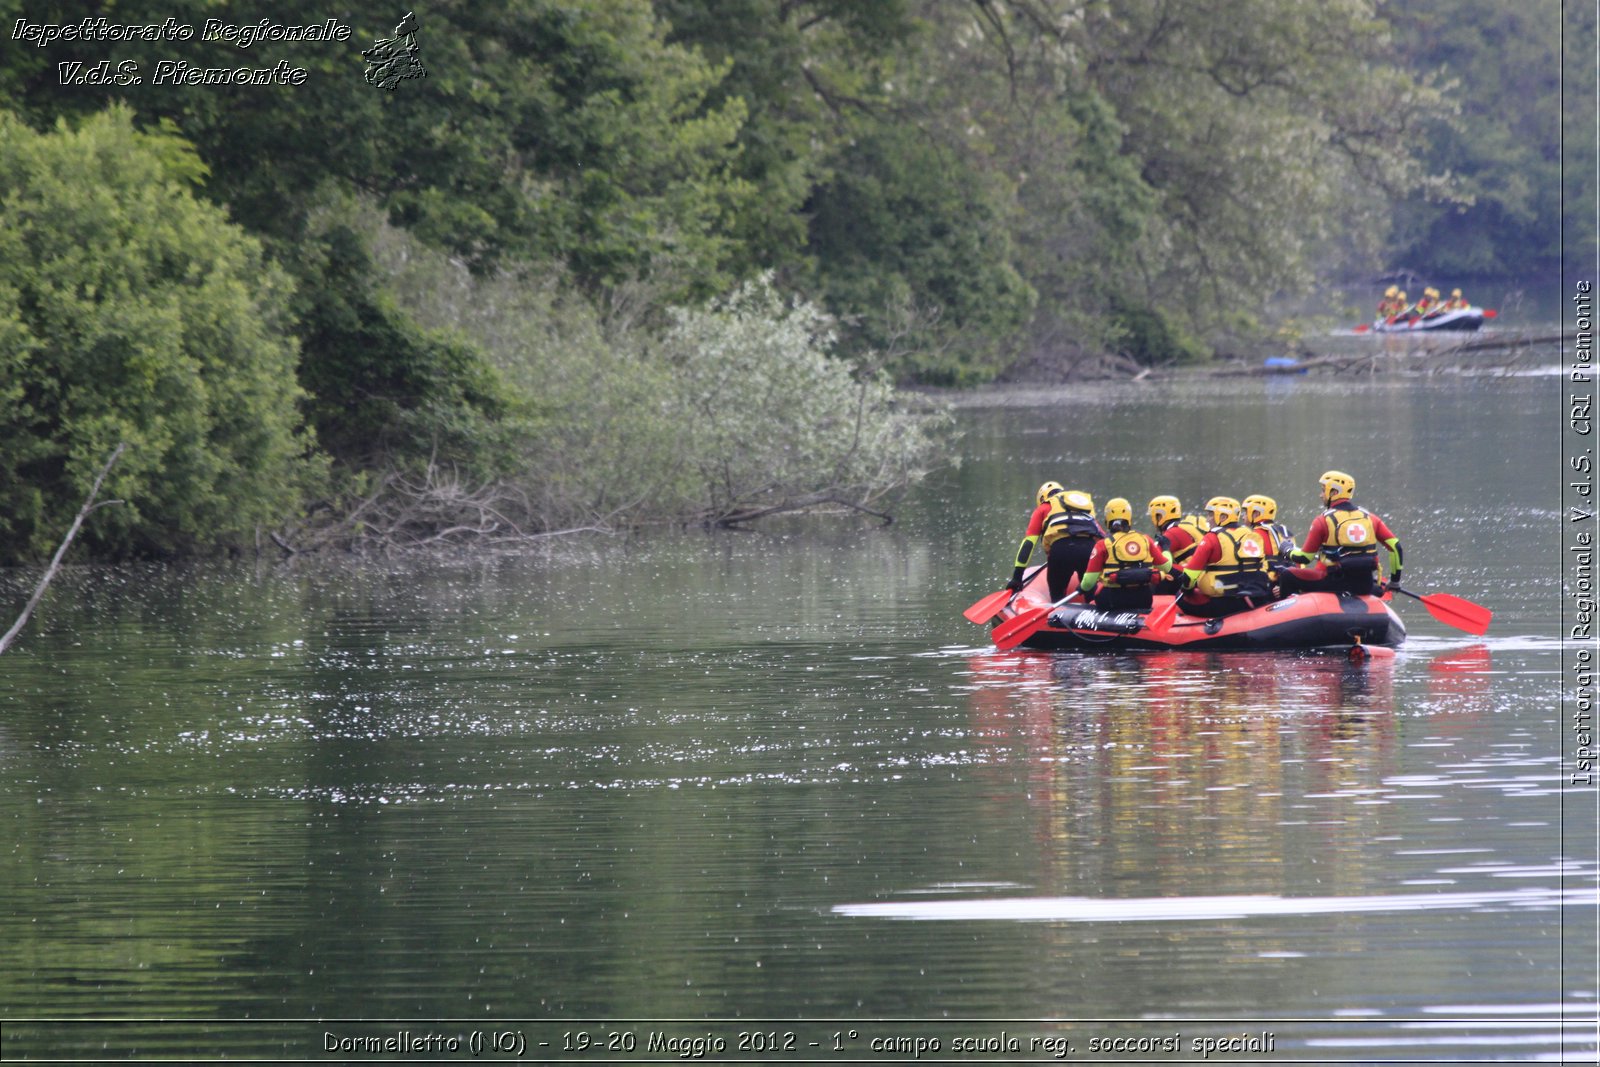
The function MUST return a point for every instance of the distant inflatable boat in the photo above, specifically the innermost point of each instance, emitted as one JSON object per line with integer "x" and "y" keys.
{"x": 1461, "y": 320}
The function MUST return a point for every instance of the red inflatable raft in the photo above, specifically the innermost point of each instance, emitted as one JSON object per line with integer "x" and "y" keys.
{"x": 1301, "y": 621}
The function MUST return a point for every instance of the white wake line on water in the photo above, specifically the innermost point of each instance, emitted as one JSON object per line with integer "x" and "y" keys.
{"x": 1189, "y": 909}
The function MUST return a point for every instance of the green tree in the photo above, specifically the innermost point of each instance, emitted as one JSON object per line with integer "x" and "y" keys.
{"x": 915, "y": 244}
{"x": 1269, "y": 131}
{"x": 1003, "y": 83}
{"x": 550, "y": 129}
{"x": 811, "y": 75}
{"x": 1162, "y": 170}
{"x": 383, "y": 394}
{"x": 132, "y": 311}
{"x": 566, "y": 132}
{"x": 1504, "y": 63}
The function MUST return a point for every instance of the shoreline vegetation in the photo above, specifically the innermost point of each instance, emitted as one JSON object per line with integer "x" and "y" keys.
{"x": 614, "y": 264}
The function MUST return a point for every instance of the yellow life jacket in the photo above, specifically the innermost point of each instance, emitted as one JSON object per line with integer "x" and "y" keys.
{"x": 1349, "y": 534}
{"x": 1066, "y": 522}
{"x": 1243, "y": 555}
{"x": 1126, "y": 550}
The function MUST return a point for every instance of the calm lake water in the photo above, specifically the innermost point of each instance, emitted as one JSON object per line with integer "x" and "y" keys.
{"x": 770, "y": 789}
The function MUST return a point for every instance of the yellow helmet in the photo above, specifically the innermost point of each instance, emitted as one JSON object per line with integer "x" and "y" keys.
{"x": 1119, "y": 510}
{"x": 1336, "y": 485}
{"x": 1078, "y": 500}
{"x": 1048, "y": 490}
{"x": 1393, "y": 289}
{"x": 1223, "y": 510}
{"x": 1455, "y": 292}
{"x": 1430, "y": 291}
{"x": 1401, "y": 295}
{"x": 1258, "y": 508}
{"x": 1164, "y": 509}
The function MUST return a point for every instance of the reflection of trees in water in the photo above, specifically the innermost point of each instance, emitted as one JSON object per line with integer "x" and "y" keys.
{"x": 1182, "y": 772}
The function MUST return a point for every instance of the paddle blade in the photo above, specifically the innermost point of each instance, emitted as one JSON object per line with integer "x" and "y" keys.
{"x": 1458, "y": 612}
{"x": 1455, "y": 611}
{"x": 1490, "y": 313}
{"x": 1160, "y": 622}
{"x": 988, "y": 607}
{"x": 1363, "y": 328}
{"x": 1013, "y": 632}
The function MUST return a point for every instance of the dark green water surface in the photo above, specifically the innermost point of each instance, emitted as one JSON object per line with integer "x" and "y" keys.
{"x": 772, "y": 783}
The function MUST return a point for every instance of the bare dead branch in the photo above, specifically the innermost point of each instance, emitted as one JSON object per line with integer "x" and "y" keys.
{"x": 802, "y": 504}
{"x": 89, "y": 505}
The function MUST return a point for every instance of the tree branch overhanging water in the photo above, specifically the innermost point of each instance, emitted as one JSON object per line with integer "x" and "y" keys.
{"x": 89, "y": 506}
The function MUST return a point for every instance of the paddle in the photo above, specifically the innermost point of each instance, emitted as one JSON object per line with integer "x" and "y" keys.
{"x": 1453, "y": 611}
{"x": 1158, "y": 624}
{"x": 988, "y": 607}
{"x": 1013, "y": 632}
{"x": 1490, "y": 313}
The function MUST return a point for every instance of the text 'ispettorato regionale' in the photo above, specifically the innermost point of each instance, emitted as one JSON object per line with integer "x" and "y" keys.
{"x": 101, "y": 30}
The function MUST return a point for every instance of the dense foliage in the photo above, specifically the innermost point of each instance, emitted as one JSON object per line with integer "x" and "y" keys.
{"x": 734, "y": 409}
{"x": 762, "y": 404}
{"x": 130, "y": 311}
{"x": 481, "y": 305}
{"x": 1504, "y": 149}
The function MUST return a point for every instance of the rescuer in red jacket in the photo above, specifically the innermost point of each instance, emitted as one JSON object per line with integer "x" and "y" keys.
{"x": 1070, "y": 533}
{"x": 1124, "y": 564}
{"x": 1030, "y": 537}
{"x": 1177, "y": 533}
{"x": 1342, "y": 544}
{"x": 1228, "y": 570}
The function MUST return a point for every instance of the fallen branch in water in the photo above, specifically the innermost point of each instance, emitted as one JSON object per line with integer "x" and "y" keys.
{"x": 803, "y": 504}
{"x": 55, "y": 563}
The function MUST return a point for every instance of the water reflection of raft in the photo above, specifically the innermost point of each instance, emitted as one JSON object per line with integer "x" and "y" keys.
{"x": 1301, "y": 621}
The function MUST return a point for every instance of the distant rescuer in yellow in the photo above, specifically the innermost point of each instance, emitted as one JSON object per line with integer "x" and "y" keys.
{"x": 1124, "y": 565}
{"x": 1393, "y": 302}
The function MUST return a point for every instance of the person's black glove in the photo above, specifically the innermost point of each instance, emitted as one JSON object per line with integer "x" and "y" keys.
{"x": 1015, "y": 584}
